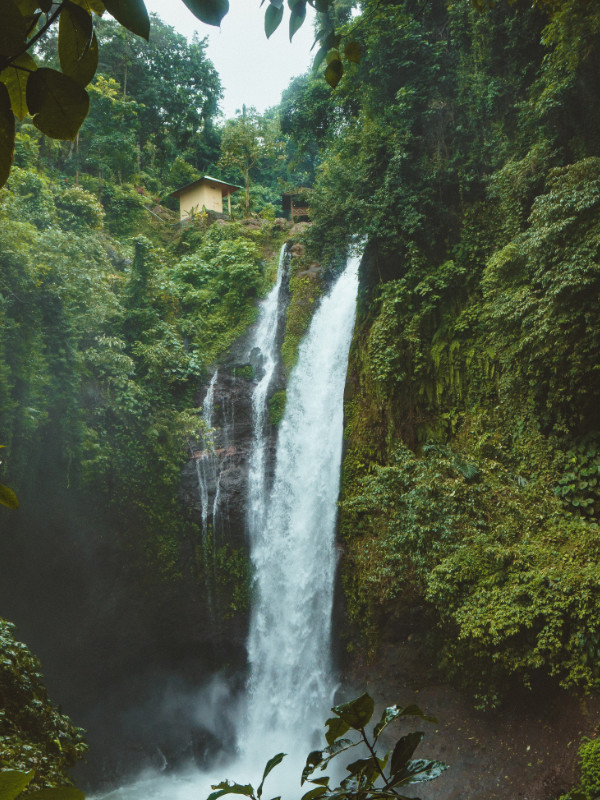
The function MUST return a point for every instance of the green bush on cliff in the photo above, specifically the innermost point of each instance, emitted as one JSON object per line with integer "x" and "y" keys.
{"x": 588, "y": 786}
{"x": 34, "y": 735}
{"x": 511, "y": 577}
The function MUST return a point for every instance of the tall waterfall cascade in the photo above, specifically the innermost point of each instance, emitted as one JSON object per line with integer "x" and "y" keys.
{"x": 291, "y": 522}
{"x": 292, "y": 537}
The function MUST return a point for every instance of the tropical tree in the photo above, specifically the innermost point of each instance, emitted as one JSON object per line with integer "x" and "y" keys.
{"x": 57, "y": 99}
{"x": 246, "y": 141}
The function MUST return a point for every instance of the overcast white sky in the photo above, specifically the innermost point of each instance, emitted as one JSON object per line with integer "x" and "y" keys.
{"x": 254, "y": 70}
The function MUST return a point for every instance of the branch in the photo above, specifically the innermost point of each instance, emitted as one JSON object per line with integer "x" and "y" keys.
{"x": 50, "y": 19}
{"x": 377, "y": 764}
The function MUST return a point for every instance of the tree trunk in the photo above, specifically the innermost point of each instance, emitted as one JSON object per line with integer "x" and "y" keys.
{"x": 247, "y": 193}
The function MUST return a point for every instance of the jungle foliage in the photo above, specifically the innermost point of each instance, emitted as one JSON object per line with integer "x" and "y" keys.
{"x": 56, "y": 96}
{"x": 36, "y": 740}
{"x": 464, "y": 147}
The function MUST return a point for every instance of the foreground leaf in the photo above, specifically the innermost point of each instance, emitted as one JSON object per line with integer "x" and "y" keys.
{"x": 297, "y": 17}
{"x": 403, "y": 751}
{"x": 273, "y": 17}
{"x": 356, "y": 713}
{"x": 271, "y": 764}
{"x": 15, "y": 79}
{"x": 318, "y": 791}
{"x": 12, "y": 782}
{"x": 419, "y": 771}
{"x": 225, "y": 787}
{"x": 352, "y": 52}
{"x": 13, "y": 31}
{"x": 336, "y": 728}
{"x": 132, "y": 14}
{"x": 97, "y": 6}
{"x": 7, "y": 497}
{"x": 393, "y": 712}
{"x": 321, "y": 758}
{"x": 7, "y": 146}
{"x": 77, "y": 44}
{"x": 334, "y": 72}
{"x": 57, "y": 793}
{"x": 58, "y": 104}
{"x": 210, "y": 12}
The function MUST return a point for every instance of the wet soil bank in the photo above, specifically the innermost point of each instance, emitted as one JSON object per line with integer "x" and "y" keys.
{"x": 524, "y": 751}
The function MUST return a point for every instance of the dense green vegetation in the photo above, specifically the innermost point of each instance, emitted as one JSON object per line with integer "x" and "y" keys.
{"x": 464, "y": 146}
{"x": 34, "y": 735}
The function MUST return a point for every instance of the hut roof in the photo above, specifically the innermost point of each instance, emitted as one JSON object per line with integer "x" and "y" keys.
{"x": 226, "y": 188}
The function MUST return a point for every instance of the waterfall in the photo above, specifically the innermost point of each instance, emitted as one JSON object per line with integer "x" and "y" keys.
{"x": 206, "y": 462}
{"x": 291, "y": 527}
{"x": 263, "y": 351}
{"x": 293, "y": 538}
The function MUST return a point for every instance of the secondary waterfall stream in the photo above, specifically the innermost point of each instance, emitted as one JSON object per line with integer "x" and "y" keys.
{"x": 292, "y": 545}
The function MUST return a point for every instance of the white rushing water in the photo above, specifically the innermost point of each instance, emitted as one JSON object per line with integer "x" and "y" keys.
{"x": 292, "y": 543}
{"x": 293, "y": 550}
{"x": 206, "y": 463}
{"x": 264, "y": 346}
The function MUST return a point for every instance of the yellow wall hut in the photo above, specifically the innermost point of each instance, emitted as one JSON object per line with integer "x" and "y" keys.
{"x": 205, "y": 194}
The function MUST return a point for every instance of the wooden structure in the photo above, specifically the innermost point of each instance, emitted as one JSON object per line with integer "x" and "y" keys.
{"x": 296, "y": 203}
{"x": 205, "y": 194}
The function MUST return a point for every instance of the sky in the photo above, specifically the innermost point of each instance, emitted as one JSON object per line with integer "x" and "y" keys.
{"x": 254, "y": 70}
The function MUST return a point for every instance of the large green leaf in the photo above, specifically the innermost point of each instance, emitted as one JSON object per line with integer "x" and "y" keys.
{"x": 336, "y": 728}
{"x": 366, "y": 767}
{"x": 230, "y": 788}
{"x": 334, "y": 72}
{"x": 297, "y": 16}
{"x": 271, "y": 764}
{"x": 413, "y": 710}
{"x": 14, "y": 28}
{"x": 97, "y": 6}
{"x": 57, "y": 793}
{"x": 7, "y": 496}
{"x": 403, "y": 751}
{"x": 318, "y": 791}
{"x": 393, "y": 712}
{"x": 356, "y": 713}
{"x": 58, "y": 103}
{"x": 77, "y": 44}
{"x": 419, "y": 771}
{"x": 15, "y": 79}
{"x": 321, "y": 758}
{"x": 209, "y": 11}
{"x": 273, "y": 17}
{"x": 28, "y": 7}
{"x": 12, "y": 782}
{"x": 352, "y": 52}
{"x": 132, "y": 14}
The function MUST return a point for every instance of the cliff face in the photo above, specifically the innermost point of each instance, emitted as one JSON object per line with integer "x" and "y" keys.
{"x": 468, "y": 571}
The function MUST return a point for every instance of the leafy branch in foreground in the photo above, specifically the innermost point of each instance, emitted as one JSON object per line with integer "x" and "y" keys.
{"x": 13, "y": 783}
{"x": 370, "y": 778}
{"x": 7, "y": 496}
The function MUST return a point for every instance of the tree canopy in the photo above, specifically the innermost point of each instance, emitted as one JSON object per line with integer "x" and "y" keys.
{"x": 57, "y": 99}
